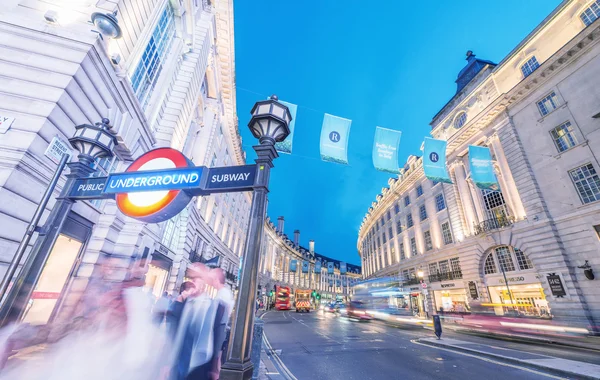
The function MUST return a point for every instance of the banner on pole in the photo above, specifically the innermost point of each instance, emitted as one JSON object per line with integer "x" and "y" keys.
{"x": 334, "y": 139}
{"x": 385, "y": 150}
{"x": 305, "y": 267}
{"x": 293, "y": 265}
{"x": 343, "y": 268}
{"x": 318, "y": 267}
{"x": 286, "y": 145}
{"x": 330, "y": 267}
{"x": 434, "y": 160}
{"x": 482, "y": 169}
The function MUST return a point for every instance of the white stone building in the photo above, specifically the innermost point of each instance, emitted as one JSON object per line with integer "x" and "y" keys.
{"x": 277, "y": 253}
{"x": 167, "y": 82}
{"x": 538, "y": 111}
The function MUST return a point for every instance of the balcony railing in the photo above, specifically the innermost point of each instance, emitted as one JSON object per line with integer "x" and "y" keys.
{"x": 454, "y": 275}
{"x": 411, "y": 281}
{"x": 493, "y": 224}
{"x": 231, "y": 276}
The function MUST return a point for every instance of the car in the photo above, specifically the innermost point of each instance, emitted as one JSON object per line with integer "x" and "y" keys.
{"x": 357, "y": 310}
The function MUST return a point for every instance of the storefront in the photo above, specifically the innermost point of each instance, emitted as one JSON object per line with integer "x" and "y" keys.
{"x": 54, "y": 281}
{"x": 417, "y": 301}
{"x": 450, "y": 297}
{"x": 158, "y": 274}
{"x": 524, "y": 294}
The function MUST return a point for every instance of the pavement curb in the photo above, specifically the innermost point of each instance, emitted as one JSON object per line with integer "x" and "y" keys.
{"x": 507, "y": 359}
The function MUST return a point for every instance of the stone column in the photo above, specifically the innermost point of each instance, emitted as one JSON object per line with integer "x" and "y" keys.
{"x": 509, "y": 188}
{"x": 465, "y": 196}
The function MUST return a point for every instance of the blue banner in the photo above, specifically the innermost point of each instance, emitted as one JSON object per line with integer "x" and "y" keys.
{"x": 385, "y": 150}
{"x": 305, "y": 267}
{"x": 482, "y": 169}
{"x": 293, "y": 265}
{"x": 286, "y": 145}
{"x": 318, "y": 267}
{"x": 434, "y": 160}
{"x": 334, "y": 139}
{"x": 330, "y": 267}
{"x": 343, "y": 268}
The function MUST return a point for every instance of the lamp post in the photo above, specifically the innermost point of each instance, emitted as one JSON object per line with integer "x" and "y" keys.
{"x": 92, "y": 142}
{"x": 269, "y": 124}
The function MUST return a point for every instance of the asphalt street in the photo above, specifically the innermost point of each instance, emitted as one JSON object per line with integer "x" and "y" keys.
{"x": 326, "y": 346}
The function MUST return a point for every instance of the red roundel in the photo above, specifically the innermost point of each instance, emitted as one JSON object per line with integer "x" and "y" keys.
{"x": 155, "y": 206}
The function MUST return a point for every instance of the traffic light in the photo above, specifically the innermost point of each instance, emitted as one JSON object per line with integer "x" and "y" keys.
{"x": 318, "y": 296}
{"x": 271, "y": 293}
{"x": 314, "y": 293}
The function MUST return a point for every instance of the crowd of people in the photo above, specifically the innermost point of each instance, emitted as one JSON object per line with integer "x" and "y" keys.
{"x": 119, "y": 331}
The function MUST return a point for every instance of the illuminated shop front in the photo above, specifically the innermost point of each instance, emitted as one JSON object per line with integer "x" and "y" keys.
{"x": 450, "y": 297}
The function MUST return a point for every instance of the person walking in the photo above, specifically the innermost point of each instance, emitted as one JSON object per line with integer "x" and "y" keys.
{"x": 225, "y": 298}
{"x": 160, "y": 308}
{"x": 176, "y": 307}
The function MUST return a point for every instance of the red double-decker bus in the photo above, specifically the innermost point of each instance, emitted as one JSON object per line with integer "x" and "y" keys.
{"x": 282, "y": 298}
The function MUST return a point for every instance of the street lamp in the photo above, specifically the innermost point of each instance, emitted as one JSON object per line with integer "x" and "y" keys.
{"x": 93, "y": 142}
{"x": 420, "y": 274}
{"x": 269, "y": 124}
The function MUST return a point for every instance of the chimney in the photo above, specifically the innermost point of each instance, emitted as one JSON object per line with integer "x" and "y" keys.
{"x": 297, "y": 238}
{"x": 280, "y": 224}
{"x": 311, "y": 246}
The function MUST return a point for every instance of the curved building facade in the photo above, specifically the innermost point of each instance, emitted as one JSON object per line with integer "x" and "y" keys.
{"x": 532, "y": 245}
{"x": 278, "y": 254}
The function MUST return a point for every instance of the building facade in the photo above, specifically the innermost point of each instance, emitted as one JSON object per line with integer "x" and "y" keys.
{"x": 533, "y": 245}
{"x": 168, "y": 81}
{"x": 280, "y": 254}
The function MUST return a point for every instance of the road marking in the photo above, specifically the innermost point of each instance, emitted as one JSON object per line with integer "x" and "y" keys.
{"x": 286, "y": 372}
{"x": 489, "y": 360}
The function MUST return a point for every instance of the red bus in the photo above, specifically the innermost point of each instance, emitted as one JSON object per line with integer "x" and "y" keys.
{"x": 282, "y": 298}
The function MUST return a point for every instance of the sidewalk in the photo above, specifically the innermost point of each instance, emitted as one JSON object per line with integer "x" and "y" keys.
{"x": 562, "y": 367}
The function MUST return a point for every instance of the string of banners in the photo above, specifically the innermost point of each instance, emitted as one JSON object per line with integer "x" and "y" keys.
{"x": 317, "y": 269}
{"x": 335, "y": 133}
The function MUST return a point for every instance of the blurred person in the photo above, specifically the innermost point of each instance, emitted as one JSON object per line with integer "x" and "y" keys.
{"x": 161, "y": 307}
{"x": 225, "y": 298}
{"x": 195, "y": 341}
{"x": 176, "y": 307}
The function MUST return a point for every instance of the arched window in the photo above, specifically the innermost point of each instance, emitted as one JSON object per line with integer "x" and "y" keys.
{"x": 506, "y": 257}
{"x": 591, "y": 13}
{"x": 460, "y": 120}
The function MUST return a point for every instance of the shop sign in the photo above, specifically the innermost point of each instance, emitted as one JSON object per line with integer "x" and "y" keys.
{"x": 451, "y": 285}
{"x": 56, "y": 149}
{"x": 473, "y": 290}
{"x": 162, "y": 249}
{"x": 556, "y": 285}
{"x": 414, "y": 288}
{"x": 525, "y": 278}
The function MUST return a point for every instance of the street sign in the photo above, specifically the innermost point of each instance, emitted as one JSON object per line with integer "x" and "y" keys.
{"x": 230, "y": 178}
{"x": 154, "y": 180}
{"x": 424, "y": 285}
{"x": 89, "y": 188}
{"x": 556, "y": 285}
{"x": 57, "y": 149}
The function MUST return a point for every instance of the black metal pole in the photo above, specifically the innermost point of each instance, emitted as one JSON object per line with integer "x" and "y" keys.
{"x": 19, "y": 294}
{"x": 12, "y": 268}
{"x": 238, "y": 365}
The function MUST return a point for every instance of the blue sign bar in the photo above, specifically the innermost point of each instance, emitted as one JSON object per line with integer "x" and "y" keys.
{"x": 156, "y": 180}
{"x": 89, "y": 188}
{"x": 230, "y": 178}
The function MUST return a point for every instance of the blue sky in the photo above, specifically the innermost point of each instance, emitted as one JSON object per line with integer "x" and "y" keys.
{"x": 392, "y": 64}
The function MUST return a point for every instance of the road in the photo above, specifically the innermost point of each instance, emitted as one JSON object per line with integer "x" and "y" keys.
{"x": 325, "y": 346}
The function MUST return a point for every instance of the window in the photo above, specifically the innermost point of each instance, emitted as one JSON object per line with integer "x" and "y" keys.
{"x": 384, "y": 238}
{"x": 422, "y": 213}
{"x": 529, "y": 66}
{"x": 490, "y": 265}
{"x": 460, "y": 120}
{"x": 419, "y": 191}
{"x": 391, "y": 232}
{"x": 548, "y": 104}
{"x": 495, "y": 205}
{"x": 402, "y": 254}
{"x": 446, "y": 233}
{"x": 376, "y": 226}
{"x": 563, "y": 136}
{"x": 213, "y": 162}
{"x": 378, "y": 242}
{"x": 505, "y": 259}
{"x": 427, "y": 238}
{"x": 591, "y": 14}
{"x": 444, "y": 268}
{"x": 455, "y": 264}
{"x": 148, "y": 70}
{"x": 213, "y": 216}
{"x": 220, "y": 138}
{"x": 413, "y": 246}
{"x": 406, "y": 200}
{"x": 433, "y": 269}
{"x": 522, "y": 260}
{"x": 440, "y": 204}
{"x": 397, "y": 208}
{"x": 587, "y": 182}
{"x": 389, "y": 215}
{"x": 433, "y": 183}
{"x": 597, "y": 229}
{"x": 399, "y": 227}
{"x": 393, "y": 253}
{"x": 409, "y": 221}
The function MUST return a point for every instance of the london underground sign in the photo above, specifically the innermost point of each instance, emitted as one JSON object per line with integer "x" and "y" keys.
{"x": 161, "y": 183}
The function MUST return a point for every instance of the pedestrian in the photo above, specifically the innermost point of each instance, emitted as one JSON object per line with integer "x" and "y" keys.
{"x": 225, "y": 298}
{"x": 176, "y": 307}
{"x": 194, "y": 345}
{"x": 160, "y": 308}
